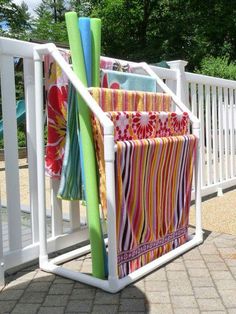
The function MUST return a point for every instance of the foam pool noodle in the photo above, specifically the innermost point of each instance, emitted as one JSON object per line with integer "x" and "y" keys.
{"x": 95, "y": 232}
{"x": 95, "y": 25}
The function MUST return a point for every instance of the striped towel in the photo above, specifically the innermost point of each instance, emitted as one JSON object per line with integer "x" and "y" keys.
{"x": 120, "y": 100}
{"x": 70, "y": 185}
{"x": 153, "y": 192}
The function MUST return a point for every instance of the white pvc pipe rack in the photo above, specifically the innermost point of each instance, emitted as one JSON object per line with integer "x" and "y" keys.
{"x": 113, "y": 283}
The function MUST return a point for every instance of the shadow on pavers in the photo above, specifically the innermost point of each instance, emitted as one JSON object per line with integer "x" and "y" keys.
{"x": 34, "y": 291}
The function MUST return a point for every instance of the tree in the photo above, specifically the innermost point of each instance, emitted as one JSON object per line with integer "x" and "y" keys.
{"x": 15, "y": 20}
{"x": 55, "y": 8}
{"x": 50, "y": 21}
{"x": 196, "y": 28}
{"x": 167, "y": 30}
{"x": 218, "y": 67}
{"x": 82, "y": 7}
{"x": 124, "y": 26}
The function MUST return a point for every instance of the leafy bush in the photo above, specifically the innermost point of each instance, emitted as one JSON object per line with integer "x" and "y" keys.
{"x": 1, "y": 143}
{"x": 218, "y": 67}
{"x": 21, "y": 139}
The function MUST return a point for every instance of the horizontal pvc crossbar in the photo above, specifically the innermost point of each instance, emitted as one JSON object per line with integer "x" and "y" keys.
{"x": 112, "y": 285}
{"x": 73, "y": 254}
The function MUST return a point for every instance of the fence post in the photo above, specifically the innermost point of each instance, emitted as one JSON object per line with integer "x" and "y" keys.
{"x": 181, "y": 83}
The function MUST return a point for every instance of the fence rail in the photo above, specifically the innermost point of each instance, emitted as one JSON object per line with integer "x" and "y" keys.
{"x": 20, "y": 240}
{"x": 214, "y": 103}
{"x": 211, "y": 99}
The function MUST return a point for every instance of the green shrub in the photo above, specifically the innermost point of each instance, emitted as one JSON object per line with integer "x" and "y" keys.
{"x": 21, "y": 139}
{"x": 218, "y": 67}
{"x": 1, "y": 143}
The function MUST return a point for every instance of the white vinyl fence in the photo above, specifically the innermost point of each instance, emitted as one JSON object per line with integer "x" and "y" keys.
{"x": 211, "y": 99}
{"x": 19, "y": 231}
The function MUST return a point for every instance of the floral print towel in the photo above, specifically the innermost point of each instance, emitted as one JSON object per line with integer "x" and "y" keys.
{"x": 143, "y": 125}
{"x": 56, "y": 88}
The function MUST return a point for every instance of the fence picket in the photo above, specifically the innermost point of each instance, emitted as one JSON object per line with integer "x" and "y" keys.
{"x": 11, "y": 152}
{"x": 221, "y": 139}
{"x": 215, "y": 136}
{"x": 232, "y": 126}
{"x": 31, "y": 144}
{"x": 202, "y": 132}
{"x": 74, "y": 211}
{"x": 208, "y": 134}
{"x": 56, "y": 207}
{"x": 226, "y": 132}
{"x": 194, "y": 99}
{"x": 2, "y": 277}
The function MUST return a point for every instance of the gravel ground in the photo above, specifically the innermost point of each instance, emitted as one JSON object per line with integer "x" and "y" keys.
{"x": 218, "y": 213}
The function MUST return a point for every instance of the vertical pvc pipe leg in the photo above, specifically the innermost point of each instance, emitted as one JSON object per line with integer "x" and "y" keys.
{"x": 111, "y": 210}
{"x": 43, "y": 256}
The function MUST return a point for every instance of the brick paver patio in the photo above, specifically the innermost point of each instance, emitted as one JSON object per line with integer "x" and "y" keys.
{"x": 201, "y": 281}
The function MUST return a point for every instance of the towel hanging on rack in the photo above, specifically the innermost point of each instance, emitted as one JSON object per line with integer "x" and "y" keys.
{"x": 115, "y": 65}
{"x": 122, "y": 100}
{"x": 71, "y": 176}
{"x": 56, "y": 87}
{"x": 153, "y": 192}
{"x": 127, "y": 81}
{"x": 130, "y": 125}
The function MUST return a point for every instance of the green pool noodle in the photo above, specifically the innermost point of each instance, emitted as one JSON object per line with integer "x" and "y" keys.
{"x": 95, "y": 232}
{"x": 95, "y": 25}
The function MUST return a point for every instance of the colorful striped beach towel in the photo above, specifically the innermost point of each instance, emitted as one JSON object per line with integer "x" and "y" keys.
{"x": 153, "y": 192}
{"x": 122, "y": 100}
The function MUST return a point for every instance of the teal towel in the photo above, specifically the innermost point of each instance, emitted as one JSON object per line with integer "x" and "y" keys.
{"x": 127, "y": 81}
{"x": 70, "y": 185}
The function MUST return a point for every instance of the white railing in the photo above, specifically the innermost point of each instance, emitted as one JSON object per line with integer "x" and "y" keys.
{"x": 19, "y": 243}
{"x": 211, "y": 99}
